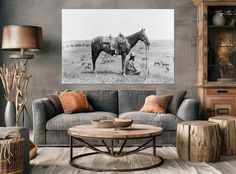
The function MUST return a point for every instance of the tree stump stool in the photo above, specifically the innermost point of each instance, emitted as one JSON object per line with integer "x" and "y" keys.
{"x": 198, "y": 141}
{"x": 228, "y": 133}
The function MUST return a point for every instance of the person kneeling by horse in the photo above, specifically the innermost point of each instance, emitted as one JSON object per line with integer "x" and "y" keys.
{"x": 130, "y": 68}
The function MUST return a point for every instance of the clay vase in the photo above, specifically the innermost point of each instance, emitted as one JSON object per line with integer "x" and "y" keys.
{"x": 218, "y": 18}
{"x": 10, "y": 114}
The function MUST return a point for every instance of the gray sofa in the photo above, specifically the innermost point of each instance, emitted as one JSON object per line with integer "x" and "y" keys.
{"x": 50, "y": 129}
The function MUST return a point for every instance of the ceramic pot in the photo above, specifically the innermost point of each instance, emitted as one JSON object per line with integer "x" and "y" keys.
{"x": 218, "y": 18}
{"x": 10, "y": 114}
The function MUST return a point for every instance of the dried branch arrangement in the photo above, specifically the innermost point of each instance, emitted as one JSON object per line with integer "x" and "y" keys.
{"x": 15, "y": 79}
{"x": 8, "y": 74}
{"x": 21, "y": 82}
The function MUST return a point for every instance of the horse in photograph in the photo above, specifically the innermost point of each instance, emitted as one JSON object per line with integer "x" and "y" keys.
{"x": 98, "y": 45}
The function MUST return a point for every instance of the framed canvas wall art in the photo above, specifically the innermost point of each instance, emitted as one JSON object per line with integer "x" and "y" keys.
{"x": 118, "y": 46}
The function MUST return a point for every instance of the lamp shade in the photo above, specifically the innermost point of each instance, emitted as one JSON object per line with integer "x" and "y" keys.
{"x": 17, "y": 37}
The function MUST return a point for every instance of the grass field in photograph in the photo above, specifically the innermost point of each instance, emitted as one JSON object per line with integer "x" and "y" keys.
{"x": 157, "y": 69}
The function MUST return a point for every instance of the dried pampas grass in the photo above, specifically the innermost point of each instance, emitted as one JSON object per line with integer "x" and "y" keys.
{"x": 8, "y": 75}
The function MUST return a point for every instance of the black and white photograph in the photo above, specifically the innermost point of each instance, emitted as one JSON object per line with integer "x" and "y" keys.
{"x": 117, "y": 46}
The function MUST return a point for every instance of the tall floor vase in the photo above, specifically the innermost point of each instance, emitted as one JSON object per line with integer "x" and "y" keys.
{"x": 10, "y": 114}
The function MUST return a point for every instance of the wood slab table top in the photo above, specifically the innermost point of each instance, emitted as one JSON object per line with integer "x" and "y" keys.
{"x": 135, "y": 131}
{"x": 199, "y": 123}
{"x": 222, "y": 118}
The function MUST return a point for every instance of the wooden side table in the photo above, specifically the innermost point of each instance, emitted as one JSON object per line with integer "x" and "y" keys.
{"x": 198, "y": 141}
{"x": 228, "y": 132}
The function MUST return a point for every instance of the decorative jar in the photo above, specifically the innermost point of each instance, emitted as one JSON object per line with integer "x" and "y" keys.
{"x": 218, "y": 18}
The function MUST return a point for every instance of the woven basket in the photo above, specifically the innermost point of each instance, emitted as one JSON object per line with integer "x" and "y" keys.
{"x": 15, "y": 163}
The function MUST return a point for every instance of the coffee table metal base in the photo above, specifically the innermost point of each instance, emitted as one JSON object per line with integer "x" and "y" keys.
{"x": 112, "y": 153}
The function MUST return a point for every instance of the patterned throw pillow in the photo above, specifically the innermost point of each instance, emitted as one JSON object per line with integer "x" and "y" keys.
{"x": 74, "y": 102}
{"x": 156, "y": 104}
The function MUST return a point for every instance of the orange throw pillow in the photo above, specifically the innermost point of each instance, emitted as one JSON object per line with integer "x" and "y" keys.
{"x": 73, "y": 102}
{"x": 156, "y": 104}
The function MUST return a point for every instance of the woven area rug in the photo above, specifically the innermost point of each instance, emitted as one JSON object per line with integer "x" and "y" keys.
{"x": 52, "y": 160}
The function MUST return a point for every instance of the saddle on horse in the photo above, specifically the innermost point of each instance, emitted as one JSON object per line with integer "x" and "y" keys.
{"x": 116, "y": 43}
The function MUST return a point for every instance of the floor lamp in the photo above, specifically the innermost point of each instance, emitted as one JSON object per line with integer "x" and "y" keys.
{"x": 24, "y": 39}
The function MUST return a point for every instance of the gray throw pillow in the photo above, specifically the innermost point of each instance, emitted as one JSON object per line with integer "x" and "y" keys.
{"x": 175, "y": 102}
{"x": 56, "y": 103}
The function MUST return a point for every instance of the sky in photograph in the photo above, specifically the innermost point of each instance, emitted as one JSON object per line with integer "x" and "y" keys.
{"x": 85, "y": 24}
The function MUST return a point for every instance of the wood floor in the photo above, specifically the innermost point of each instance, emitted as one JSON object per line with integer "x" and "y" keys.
{"x": 52, "y": 160}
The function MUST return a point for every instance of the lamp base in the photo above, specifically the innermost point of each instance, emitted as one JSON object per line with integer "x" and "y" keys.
{"x": 20, "y": 56}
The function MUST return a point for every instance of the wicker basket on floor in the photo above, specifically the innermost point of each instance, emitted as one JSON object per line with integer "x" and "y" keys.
{"x": 11, "y": 163}
{"x": 32, "y": 150}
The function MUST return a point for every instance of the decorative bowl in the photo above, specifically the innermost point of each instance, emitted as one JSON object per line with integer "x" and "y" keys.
{"x": 103, "y": 123}
{"x": 122, "y": 122}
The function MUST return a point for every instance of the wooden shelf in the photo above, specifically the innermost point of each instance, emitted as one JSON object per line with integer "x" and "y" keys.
{"x": 222, "y": 46}
{"x": 221, "y": 26}
{"x": 217, "y": 85}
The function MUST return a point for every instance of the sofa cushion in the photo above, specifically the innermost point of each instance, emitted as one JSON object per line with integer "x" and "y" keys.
{"x": 175, "y": 102}
{"x": 132, "y": 100}
{"x": 65, "y": 121}
{"x": 156, "y": 104}
{"x": 106, "y": 100}
{"x": 166, "y": 121}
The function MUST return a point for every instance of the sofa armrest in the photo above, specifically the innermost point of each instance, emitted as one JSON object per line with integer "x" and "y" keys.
{"x": 189, "y": 110}
{"x": 39, "y": 121}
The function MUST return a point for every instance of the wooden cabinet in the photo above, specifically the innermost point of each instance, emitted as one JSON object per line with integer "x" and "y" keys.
{"x": 216, "y": 57}
{"x": 220, "y": 101}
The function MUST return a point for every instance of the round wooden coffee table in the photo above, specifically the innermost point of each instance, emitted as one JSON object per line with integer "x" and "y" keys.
{"x": 108, "y": 136}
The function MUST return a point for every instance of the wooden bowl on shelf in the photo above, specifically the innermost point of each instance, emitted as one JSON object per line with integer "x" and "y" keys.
{"x": 122, "y": 122}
